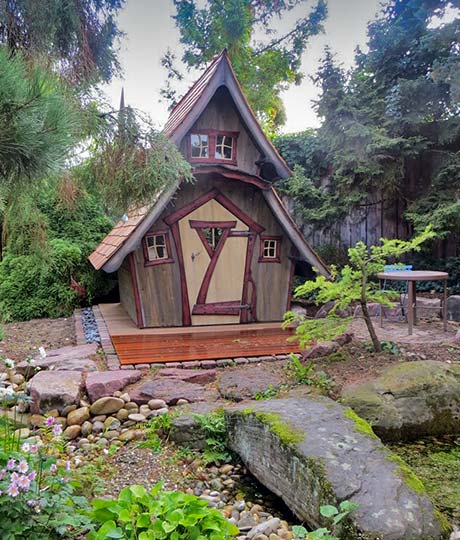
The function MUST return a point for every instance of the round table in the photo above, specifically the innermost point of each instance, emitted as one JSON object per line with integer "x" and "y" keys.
{"x": 412, "y": 276}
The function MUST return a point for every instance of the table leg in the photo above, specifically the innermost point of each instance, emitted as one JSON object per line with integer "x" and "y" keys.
{"x": 381, "y": 307}
{"x": 410, "y": 308}
{"x": 414, "y": 293}
{"x": 444, "y": 306}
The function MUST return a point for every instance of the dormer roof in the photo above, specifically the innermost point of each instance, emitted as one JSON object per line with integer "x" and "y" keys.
{"x": 191, "y": 106}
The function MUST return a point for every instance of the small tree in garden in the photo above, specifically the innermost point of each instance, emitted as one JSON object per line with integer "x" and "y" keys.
{"x": 353, "y": 283}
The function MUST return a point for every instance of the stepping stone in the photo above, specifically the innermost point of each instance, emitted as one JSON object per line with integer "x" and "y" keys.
{"x": 244, "y": 383}
{"x": 69, "y": 358}
{"x": 55, "y": 390}
{"x": 170, "y": 390}
{"x": 105, "y": 383}
{"x": 196, "y": 376}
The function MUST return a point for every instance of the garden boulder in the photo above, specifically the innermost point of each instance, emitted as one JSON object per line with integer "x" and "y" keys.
{"x": 312, "y": 451}
{"x": 55, "y": 390}
{"x": 409, "y": 400}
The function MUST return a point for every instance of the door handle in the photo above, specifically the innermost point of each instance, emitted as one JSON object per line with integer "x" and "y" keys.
{"x": 194, "y": 256}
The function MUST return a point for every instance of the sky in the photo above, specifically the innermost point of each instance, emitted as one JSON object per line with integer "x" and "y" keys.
{"x": 150, "y": 30}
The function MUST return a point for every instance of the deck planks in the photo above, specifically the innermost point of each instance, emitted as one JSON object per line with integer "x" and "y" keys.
{"x": 161, "y": 345}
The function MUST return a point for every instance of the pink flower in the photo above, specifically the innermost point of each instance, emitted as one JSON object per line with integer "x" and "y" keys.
{"x": 13, "y": 490}
{"x": 14, "y": 477}
{"x": 57, "y": 430}
{"x": 11, "y": 463}
{"x": 34, "y": 448}
{"x": 2, "y": 474}
{"x": 32, "y": 475}
{"x": 23, "y": 466}
{"x": 53, "y": 467}
{"x": 49, "y": 421}
{"x": 24, "y": 483}
{"x": 67, "y": 466}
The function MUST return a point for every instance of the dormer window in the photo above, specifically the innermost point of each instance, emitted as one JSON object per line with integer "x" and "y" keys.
{"x": 212, "y": 146}
{"x": 200, "y": 145}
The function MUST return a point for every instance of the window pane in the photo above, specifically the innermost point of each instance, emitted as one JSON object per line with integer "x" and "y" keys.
{"x": 224, "y": 147}
{"x": 200, "y": 146}
{"x": 156, "y": 247}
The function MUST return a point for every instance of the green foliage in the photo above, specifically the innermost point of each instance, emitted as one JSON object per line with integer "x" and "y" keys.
{"x": 78, "y": 38}
{"x": 157, "y": 430}
{"x": 38, "y": 122}
{"x": 334, "y": 515}
{"x": 268, "y": 393}
{"x": 132, "y": 163}
{"x": 390, "y": 119}
{"x": 306, "y": 374}
{"x": 36, "y": 282}
{"x": 37, "y": 497}
{"x": 264, "y": 69}
{"x": 139, "y": 514}
{"x": 353, "y": 284}
{"x": 215, "y": 428}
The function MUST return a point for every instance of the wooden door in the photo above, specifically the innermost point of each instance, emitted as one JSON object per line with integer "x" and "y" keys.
{"x": 216, "y": 243}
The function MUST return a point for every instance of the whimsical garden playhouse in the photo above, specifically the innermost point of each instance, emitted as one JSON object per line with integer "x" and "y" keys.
{"x": 220, "y": 251}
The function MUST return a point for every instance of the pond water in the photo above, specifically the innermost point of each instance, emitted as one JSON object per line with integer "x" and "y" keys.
{"x": 436, "y": 461}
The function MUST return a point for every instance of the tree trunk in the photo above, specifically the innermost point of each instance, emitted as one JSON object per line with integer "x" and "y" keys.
{"x": 367, "y": 318}
{"x": 370, "y": 327}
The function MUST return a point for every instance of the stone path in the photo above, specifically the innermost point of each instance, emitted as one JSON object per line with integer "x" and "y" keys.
{"x": 424, "y": 332}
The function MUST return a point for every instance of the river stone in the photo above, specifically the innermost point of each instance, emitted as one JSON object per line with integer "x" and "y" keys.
{"x": 409, "y": 400}
{"x": 314, "y": 451}
{"x": 239, "y": 384}
{"x": 106, "y": 405}
{"x": 72, "y": 432}
{"x": 55, "y": 389}
{"x": 69, "y": 358}
{"x": 106, "y": 383}
{"x": 78, "y": 416}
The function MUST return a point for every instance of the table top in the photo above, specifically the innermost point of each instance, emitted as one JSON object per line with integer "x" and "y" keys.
{"x": 413, "y": 275}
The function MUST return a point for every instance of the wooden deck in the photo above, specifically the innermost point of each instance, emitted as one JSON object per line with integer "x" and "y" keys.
{"x": 155, "y": 345}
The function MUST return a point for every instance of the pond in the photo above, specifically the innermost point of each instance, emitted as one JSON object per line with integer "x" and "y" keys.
{"x": 436, "y": 461}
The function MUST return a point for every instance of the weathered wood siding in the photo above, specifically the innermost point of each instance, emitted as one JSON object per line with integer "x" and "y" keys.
{"x": 125, "y": 286}
{"x": 221, "y": 114}
{"x": 159, "y": 286}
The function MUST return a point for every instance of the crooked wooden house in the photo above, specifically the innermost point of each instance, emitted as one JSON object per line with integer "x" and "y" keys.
{"x": 216, "y": 254}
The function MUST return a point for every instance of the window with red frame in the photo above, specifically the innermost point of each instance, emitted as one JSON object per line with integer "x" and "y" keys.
{"x": 213, "y": 146}
{"x": 157, "y": 248}
{"x": 270, "y": 249}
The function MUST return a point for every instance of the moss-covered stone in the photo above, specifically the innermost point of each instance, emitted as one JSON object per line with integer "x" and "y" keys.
{"x": 360, "y": 424}
{"x": 411, "y": 480}
{"x": 409, "y": 400}
{"x": 286, "y": 434}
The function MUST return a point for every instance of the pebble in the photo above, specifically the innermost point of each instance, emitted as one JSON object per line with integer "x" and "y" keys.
{"x": 156, "y": 404}
{"x": 137, "y": 417}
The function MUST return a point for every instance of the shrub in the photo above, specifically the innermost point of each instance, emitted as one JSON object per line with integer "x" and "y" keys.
{"x": 37, "y": 500}
{"x": 158, "y": 515}
{"x": 38, "y": 283}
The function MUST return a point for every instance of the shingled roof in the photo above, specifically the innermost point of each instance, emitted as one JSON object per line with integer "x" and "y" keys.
{"x": 126, "y": 236}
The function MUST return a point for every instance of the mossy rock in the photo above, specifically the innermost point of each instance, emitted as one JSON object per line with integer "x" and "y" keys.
{"x": 312, "y": 451}
{"x": 409, "y": 400}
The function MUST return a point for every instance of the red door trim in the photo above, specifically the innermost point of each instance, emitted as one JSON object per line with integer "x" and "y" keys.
{"x": 190, "y": 207}
{"x": 200, "y": 225}
{"x": 203, "y": 292}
